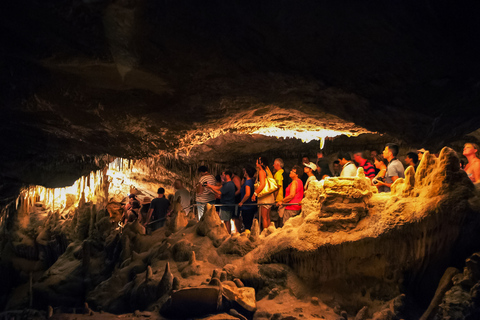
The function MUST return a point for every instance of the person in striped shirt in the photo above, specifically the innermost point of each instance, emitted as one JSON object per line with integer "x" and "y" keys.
{"x": 368, "y": 168}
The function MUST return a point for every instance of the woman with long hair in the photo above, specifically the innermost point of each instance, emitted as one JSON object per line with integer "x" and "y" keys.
{"x": 263, "y": 173}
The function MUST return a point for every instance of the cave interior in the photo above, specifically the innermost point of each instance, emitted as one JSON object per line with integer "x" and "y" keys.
{"x": 104, "y": 98}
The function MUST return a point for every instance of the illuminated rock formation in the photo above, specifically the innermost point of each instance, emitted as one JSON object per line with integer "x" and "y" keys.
{"x": 392, "y": 236}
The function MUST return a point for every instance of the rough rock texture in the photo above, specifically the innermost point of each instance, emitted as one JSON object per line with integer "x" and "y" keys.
{"x": 350, "y": 248}
{"x": 211, "y": 226}
{"x": 399, "y": 234}
{"x": 341, "y": 202}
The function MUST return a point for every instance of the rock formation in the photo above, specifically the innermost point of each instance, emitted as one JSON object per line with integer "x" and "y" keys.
{"x": 349, "y": 242}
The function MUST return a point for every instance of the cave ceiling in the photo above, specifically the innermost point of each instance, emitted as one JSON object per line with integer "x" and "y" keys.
{"x": 134, "y": 78}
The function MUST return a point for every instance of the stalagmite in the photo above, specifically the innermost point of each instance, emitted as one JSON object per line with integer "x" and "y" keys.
{"x": 148, "y": 273}
{"x": 255, "y": 232}
{"x": 409, "y": 183}
{"x": 211, "y": 226}
{"x": 166, "y": 283}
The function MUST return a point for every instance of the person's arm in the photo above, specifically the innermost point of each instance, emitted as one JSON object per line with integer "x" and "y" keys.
{"x": 293, "y": 190}
{"x": 262, "y": 176}
{"x": 279, "y": 184}
{"x": 199, "y": 188}
{"x": 216, "y": 189}
{"x": 247, "y": 195}
{"x": 149, "y": 215}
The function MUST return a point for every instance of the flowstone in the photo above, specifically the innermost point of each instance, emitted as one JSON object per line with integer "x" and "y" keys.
{"x": 347, "y": 233}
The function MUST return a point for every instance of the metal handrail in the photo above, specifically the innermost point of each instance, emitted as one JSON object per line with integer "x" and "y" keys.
{"x": 230, "y": 205}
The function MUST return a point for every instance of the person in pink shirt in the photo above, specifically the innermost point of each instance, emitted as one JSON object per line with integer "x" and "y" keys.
{"x": 293, "y": 194}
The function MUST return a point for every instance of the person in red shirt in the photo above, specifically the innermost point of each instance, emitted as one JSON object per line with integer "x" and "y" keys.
{"x": 368, "y": 168}
{"x": 294, "y": 194}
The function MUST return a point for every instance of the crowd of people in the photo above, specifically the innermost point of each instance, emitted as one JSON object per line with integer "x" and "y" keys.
{"x": 273, "y": 193}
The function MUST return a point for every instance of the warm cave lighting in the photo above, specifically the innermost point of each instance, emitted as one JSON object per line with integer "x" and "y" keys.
{"x": 85, "y": 189}
{"x": 304, "y": 135}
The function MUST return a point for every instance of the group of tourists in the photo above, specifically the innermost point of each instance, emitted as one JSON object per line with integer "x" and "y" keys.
{"x": 152, "y": 213}
{"x": 273, "y": 193}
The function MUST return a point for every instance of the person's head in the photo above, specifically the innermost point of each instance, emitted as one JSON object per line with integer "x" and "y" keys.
{"x": 278, "y": 164}
{"x": 218, "y": 178}
{"x": 470, "y": 149}
{"x": 358, "y": 157}
{"x": 135, "y": 204}
{"x": 344, "y": 157}
{"x": 161, "y": 191}
{"x": 227, "y": 175}
{"x": 390, "y": 151}
{"x": 420, "y": 153}
{"x": 296, "y": 172}
{"x": 131, "y": 198}
{"x": 203, "y": 170}
{"x": 305, "y": 159}
{"x": 249, "y": 172}
{"x": 178, "y": 184}
{"x": 262, "y": 162}
{"x": 309, "y": 168}
{"x": 336, "y": 165}
{"x": 411, "y": 159}
{"x": 320, "y": 154}
{"x": 379, "y": 162}
{"x": 373, "y": 154}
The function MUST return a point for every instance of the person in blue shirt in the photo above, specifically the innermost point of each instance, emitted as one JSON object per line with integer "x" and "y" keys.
{"x": 248, "y": 212}
{"x": 227, "y": 196}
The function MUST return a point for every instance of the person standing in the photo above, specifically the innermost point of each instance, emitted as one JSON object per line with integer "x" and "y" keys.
{"x": 227, "y": 196}
{"x": 395, "y": 168}
{"x": 204, "y": 195}
{"x": 237, "y": 181}
{"x": 293, "y": 194}
{"x": 337, "y": 169}
{"x": 322, "y": 166}
{"x": 412, "y": 160}
{"x": 348, "y": 167}
{"x": 303, "y": 177}
{"x": 183, "y": 194}
{"x": 309, "y": 169}
{"x": 269, "y": 199}
{"x": 248, "y": 212}
{"x": 157, "y": 214}
{"x": 472, "y": 168}
{"x": 278, "y": 165}
{"x": 368, "y": 168}
{"x": 381, "y": 166}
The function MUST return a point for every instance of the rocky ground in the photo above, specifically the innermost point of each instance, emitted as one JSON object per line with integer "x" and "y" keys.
{"x": 352, "y": 253}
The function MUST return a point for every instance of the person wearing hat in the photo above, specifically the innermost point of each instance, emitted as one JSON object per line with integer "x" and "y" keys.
{"x": 309, "y": 169}
{"x": 144, "y": 210}
{"x": 420, "y": 153}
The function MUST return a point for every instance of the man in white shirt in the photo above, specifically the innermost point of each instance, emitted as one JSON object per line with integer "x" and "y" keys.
{"x": 349, "y": 169}
{"x": 204, "y": 194}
